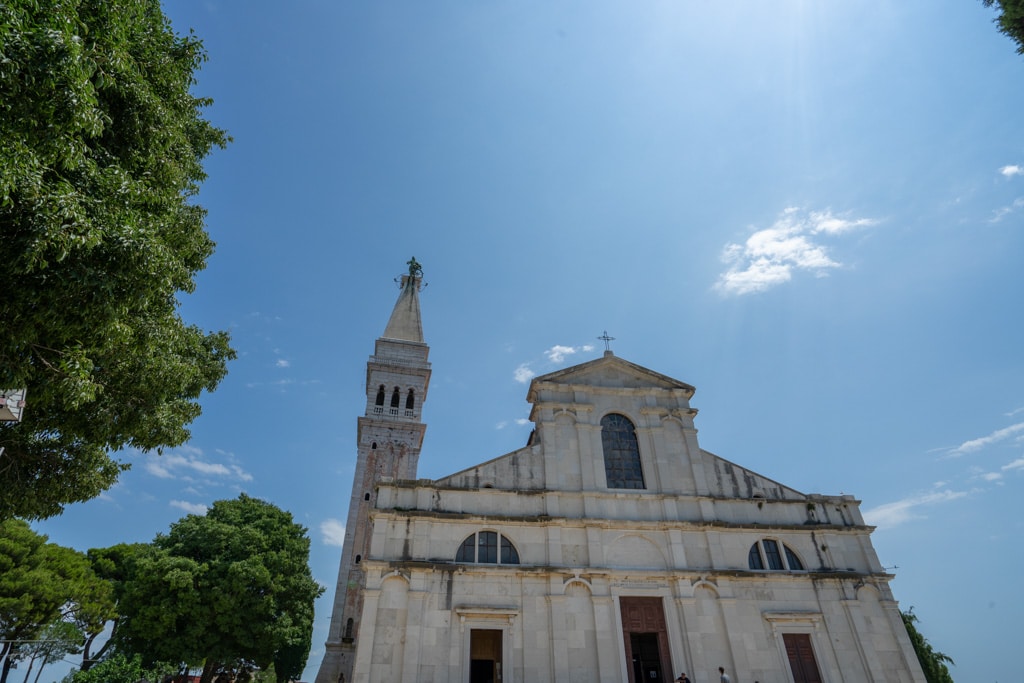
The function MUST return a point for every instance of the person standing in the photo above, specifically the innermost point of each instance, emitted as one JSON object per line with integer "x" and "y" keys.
{"x": 724, "y": 677}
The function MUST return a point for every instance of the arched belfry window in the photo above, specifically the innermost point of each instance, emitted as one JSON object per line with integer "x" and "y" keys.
{"x": 396, "y": 397}
{"x": 410, "y": 400}
{"x": 621, "y": 453}
{"x": 380, "y": 395}
{"x": 487, "y": 547}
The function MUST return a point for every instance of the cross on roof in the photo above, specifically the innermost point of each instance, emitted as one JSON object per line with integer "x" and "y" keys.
{"x": 607, "y": 340}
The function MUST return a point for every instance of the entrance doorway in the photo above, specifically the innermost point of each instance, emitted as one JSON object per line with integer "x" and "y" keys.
{"x": 801, "y": 658}
{"x": 646, "y": 640}
{"x": 485, "y": 656}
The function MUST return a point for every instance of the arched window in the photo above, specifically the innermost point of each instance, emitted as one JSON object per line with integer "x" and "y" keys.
{"x": 396, "y": 398}
{"x": 621, "y": 453}
{"x": 765, "y": 554}
{"x": 380, "y": 395}
{"x": 487, "y": 547}
{"x": 410, "y": 400}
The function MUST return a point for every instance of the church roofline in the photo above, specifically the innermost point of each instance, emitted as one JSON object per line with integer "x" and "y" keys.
{"x": 607, "y": 359}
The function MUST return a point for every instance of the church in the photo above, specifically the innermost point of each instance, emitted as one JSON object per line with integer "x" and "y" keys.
{"x": 611, "y": 548}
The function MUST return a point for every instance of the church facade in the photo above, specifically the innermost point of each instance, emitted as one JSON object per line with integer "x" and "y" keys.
{"x": 610, "y": 548}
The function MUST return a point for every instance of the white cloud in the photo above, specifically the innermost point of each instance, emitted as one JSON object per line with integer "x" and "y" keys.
{"x": 1012, "y": 170}
{"x": 1017, "y": 464}
{"x": 557, "y": 353}
{"x": 1000, "y": 213}
{"x": 282, "y": 363}
{"x": 501, "y": 425}
{"x": 896, "y": 513}
{"x": 770, "y": 256}
{"x": 979, "y": 443}
{"x": 524, "y": 374}
{"x": 522, "y": 421}
{"x": 991, "y": 476}
{"x": 175, "y": 465}
{"x": 333, "y": 532}
{"x": 191, "y": 508}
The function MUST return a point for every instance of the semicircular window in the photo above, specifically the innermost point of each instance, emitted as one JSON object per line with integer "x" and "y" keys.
{"x": 765, "y": 554}
{"x": 487, "y": 547}
{"x": 621, "y": 453}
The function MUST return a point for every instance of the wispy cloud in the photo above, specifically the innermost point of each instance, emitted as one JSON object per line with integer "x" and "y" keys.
{"x": 1003, "y": 211}
{"x": 1012, "y": 170}
{"x": 522, "y": 421}
{"x": 332, "y": 532}
{"x": 191, "y": 508}
{"x": 182, "y": 465}
{"x": 1017, "y": 464}
{"x": 282, "y": 363}
{"x": 523, "y": 373}
{"x": 793, "y": 243}
{"x": 975, "y": 445}
{"x": 893, "y": 514}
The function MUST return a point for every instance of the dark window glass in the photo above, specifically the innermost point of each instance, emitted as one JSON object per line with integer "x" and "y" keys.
{"x": 754, "y": 557}
{"x": 621, "y": 453}
{"x": 396, "y": 398}
{"x": 487, "y": 547}
{"x": 410, "y": 400}
{"x": 380, "y": 395}
{"x": 792, "y": 560}
{"x": 348, "y": 628}
{"x": 771, "y": 552}
{"x": 467, "y": 551}
{"x": 508, "y": 552}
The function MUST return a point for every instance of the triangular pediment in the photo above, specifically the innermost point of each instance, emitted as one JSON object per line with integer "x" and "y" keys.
{"x": 612, "y": 372}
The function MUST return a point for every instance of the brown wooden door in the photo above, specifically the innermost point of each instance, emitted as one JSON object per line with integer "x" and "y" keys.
{"x": 646, "y": 639}
{"x": 801, "y": 658}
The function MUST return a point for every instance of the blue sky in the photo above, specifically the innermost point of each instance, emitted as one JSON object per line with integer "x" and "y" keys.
{"x": 811, "y": 211}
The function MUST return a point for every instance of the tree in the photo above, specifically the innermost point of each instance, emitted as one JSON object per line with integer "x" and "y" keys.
{"x": 54, "y": 642}
{"x": 1011, "y": 20}
{"x": 101, "y": 149}
{"x": 226, "y": 590}
{"x": 41, "y": 583}
{"x": 119, "y": 669}
{"x": 932, "y": 661}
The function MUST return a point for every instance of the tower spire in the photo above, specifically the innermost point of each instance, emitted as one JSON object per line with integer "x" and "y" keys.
{"x": 405, "y": 322}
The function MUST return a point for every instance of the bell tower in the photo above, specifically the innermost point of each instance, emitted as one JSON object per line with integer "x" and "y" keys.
{"x": 388, "y": 442}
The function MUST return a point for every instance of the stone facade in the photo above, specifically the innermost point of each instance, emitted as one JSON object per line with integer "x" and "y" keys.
{"x": 613, "y": 548}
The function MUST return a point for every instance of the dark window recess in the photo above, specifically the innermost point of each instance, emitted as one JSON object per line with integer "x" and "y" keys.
{"x": 359, "y": 558}
{"x": 767, "y": 550}
{"x": 487, "y": 547}
{"x": 366, "y": 496}
{"x": 792, "y": 560}
{"x": 771, "y": 553}
{"x": 396, "y": 398}
{"x": 621, "y": 453}
{"x": 754, "y": 558}
{"x": 410, "y": 400}
{"x": 380, "y": 395}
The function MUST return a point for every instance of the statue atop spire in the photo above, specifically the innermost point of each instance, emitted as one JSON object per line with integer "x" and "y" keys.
{"x": 415, "y": 269}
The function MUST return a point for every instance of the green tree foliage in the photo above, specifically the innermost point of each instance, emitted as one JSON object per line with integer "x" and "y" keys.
{"x": 119, "y": 669}
{"x": 932, "y": 662}
{"x": 101, "y": 149}
{"x": 223, "y": 591}
{"x": 1010, "y": 20}
{"x": 41, "y": 583}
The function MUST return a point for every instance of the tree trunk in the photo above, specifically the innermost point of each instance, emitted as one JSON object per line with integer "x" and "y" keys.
{"x": 208, "y": 669}
{"x": 6, "y": 668}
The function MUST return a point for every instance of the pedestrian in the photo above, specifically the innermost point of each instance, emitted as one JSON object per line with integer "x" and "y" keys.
{"x": 724, "y": 676}
{"x": 682, "y": 678}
